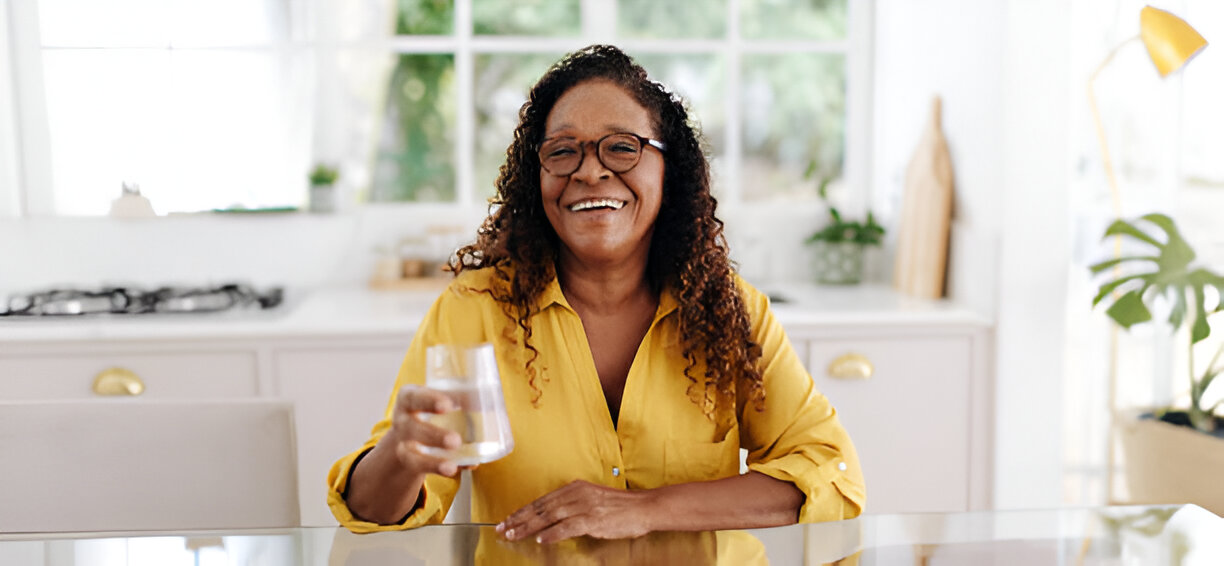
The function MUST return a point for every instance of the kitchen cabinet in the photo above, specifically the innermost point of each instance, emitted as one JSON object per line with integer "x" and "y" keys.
{"x": 339, "y": 385}
{"x": 912, "y": 405}
{"x": 920, "y": 418}
{"x": 164, "y": 371}
{"x": 339, "y": 390}
{"x": 912, "y": 382}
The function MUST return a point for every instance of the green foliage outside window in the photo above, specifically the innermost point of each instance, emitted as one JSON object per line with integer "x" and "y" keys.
{"x": 415, "y": 160}
{"x": 548, "y": 18}
{"x": 793, "y": 19}
{"x": 500, "y": 86}
{"x": 793, "y": 109}
{"x": 416, "y": 152}
{"x": 425, "y": 17}
{"x": 792, "y": 104}
{"x": 690, "y": 19}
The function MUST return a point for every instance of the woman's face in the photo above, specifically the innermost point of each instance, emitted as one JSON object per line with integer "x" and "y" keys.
{"x": 619, "y": 225}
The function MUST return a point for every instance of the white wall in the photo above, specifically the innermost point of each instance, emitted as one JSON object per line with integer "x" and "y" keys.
{"x": 296, "y": 250}
{"x": 953, "y": 49}
{"x": 998, "y": 67}
{"x": 305, "y": 250}
{"x": 1035, "y": 255}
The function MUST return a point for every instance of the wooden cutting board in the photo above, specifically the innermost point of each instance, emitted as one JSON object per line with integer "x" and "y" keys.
{"x": 926, "y": 215}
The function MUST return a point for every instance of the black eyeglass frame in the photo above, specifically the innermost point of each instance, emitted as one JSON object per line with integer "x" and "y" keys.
{"x": 582, "y": 145}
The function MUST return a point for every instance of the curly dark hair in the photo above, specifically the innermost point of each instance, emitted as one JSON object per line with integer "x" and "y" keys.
{"x": 688, "y": 252}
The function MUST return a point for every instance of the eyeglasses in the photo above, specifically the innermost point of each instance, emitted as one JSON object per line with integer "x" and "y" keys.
{"x": 618, "y": 152}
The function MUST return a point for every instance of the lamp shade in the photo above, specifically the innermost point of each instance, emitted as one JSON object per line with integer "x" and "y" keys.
{"x": 1170, "y": 41}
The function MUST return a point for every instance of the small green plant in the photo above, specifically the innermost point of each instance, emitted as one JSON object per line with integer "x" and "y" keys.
{"x": 1168, "y": 272}
{"x": 867, "y": 232}
{"x": 323, "y": 175}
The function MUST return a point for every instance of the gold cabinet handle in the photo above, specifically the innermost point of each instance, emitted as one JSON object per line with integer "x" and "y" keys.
{"x": 118, "y": 381}
{"x": 851, "y": 366}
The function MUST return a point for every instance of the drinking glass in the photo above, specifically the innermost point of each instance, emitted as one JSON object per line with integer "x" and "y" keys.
{"x": 468, "y": 375}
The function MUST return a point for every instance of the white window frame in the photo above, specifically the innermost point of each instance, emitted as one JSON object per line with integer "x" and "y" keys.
{"x": 599, "y": 22}
{"x": 10, "y": 205}
{"x": 27, "y": 111}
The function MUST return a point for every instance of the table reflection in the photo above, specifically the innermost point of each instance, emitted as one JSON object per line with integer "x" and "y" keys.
{"x": 1148, "y": 536}
{"x": 721, "y": 548}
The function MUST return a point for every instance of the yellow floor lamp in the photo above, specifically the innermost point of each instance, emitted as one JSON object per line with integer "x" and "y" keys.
{"x": 1170, "y": 43}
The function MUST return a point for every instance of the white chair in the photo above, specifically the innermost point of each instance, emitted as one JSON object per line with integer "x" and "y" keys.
{"x": 133, "y": 465}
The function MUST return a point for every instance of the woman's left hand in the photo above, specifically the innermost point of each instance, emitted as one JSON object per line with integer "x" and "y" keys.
{"x": 580, "y": 508}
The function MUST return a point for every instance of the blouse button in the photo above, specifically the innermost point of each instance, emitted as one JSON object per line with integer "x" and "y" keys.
{"x": 615, "y": 471}
{"x": 841, "y": 466}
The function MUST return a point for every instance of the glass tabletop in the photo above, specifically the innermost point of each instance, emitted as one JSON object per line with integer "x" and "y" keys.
{"x": 1152, "y": 535}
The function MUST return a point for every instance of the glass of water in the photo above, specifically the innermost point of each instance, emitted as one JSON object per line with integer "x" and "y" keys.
{"x": 468, "y": 375}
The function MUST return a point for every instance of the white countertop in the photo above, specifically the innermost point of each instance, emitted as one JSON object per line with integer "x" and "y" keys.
{"x": 827, "y": 305}
{"x": 350, "y": 311}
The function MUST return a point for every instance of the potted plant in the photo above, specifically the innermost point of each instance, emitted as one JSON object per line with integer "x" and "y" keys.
{"x": 323, "y": 188}
{"x": 838, "y": 246}
{"x": 1172, "y": 455}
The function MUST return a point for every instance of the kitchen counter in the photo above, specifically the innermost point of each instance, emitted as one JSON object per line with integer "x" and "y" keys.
{"x": 352, "y": 311}
{"x": 334, "y": 353}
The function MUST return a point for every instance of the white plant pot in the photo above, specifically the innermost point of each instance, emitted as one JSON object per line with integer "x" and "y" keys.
{"x": 838, "y": 263}
{"x": 323, "y": 198}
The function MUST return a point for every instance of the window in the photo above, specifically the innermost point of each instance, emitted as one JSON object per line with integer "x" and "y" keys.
{"x": 197, "y": 101}
{"x": 213, "y": 104}
{"x": 768, "y": 80}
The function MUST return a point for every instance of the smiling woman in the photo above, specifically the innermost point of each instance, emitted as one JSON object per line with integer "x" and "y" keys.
{"x": 599, "y": 206}
{"x": 635, "y": 363}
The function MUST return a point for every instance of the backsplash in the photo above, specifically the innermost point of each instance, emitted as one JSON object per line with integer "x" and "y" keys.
{"x": 305, "y": 250}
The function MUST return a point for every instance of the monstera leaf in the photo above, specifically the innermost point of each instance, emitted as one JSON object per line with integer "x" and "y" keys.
{"x": 1168, "y": 271}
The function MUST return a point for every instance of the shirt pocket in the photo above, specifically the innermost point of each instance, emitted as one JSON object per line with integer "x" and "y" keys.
{"x": 690, "y": 460}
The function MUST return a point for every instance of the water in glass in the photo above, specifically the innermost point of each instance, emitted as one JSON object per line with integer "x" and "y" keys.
{"x": 469, "y": 376}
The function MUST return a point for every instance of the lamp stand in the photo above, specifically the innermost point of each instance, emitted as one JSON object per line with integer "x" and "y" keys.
{"x": 1115, "y": 197}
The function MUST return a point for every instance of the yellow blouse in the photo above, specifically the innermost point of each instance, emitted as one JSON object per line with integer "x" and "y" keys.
{"x": 662, "y": 437}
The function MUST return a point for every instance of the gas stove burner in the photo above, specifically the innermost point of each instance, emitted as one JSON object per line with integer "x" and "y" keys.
{"x": 125, "y": 300}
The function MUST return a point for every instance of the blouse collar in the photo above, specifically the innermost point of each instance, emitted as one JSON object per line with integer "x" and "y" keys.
{"x": 552, "y": 295}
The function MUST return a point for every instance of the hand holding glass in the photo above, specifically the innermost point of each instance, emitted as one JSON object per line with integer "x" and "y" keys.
{"x": 468, "y": 375}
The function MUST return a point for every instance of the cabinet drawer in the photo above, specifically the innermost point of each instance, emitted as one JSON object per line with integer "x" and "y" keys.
{"x": 196, "y": 375}
{"x": 909, "y": 420}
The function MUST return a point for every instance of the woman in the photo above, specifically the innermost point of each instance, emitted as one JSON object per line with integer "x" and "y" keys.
{"x": 635, "y": 364}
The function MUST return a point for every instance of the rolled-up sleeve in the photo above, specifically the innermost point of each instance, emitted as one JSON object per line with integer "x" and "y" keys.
{"x": 797, "y": 437}
{"x": 439, "y": 493}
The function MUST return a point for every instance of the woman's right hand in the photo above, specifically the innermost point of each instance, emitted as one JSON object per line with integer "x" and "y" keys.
{"x": 386, "y": 484}
{"x": 411, "y": 432}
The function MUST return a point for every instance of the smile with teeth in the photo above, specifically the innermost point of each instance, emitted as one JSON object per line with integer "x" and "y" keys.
{"x": 597, "y": 203}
